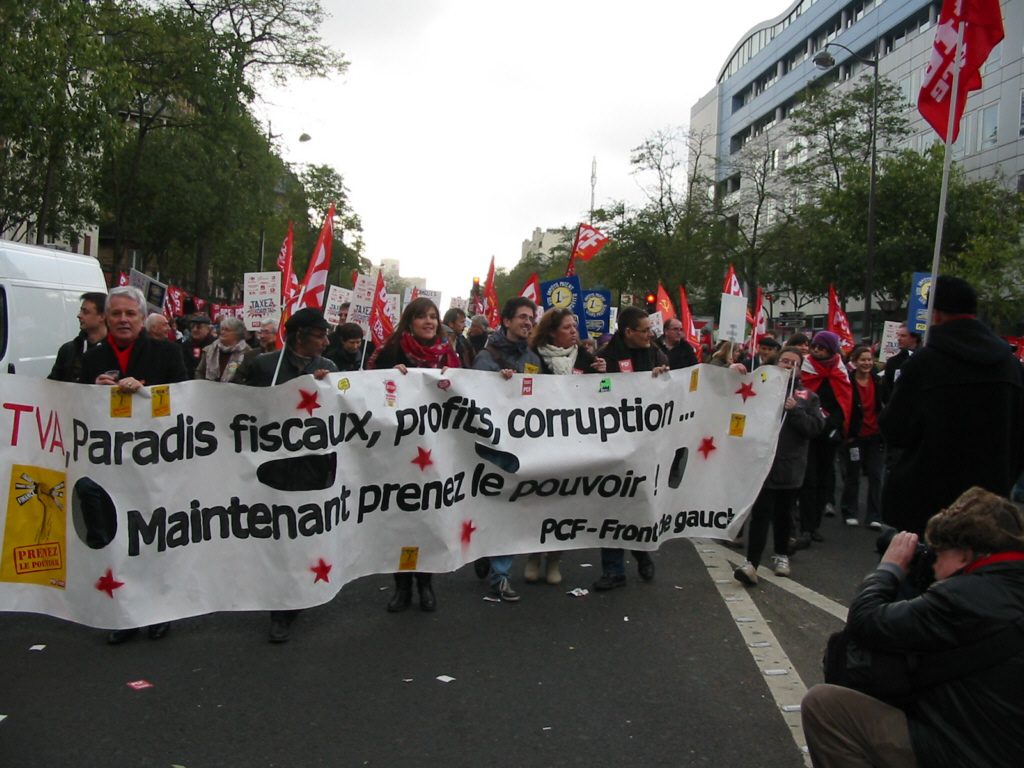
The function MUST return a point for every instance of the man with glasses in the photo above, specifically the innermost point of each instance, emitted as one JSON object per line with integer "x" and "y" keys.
{"x": 507, "y": 352}
{"x": 679, "y": 352}
{"x": 631, "y": 350}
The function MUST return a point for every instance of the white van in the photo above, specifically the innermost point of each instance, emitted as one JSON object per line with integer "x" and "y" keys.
{"x": 40, "y": 290}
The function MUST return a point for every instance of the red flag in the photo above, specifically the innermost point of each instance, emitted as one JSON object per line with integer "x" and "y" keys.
{"x": 837, "y": 322}
{"x": 415, "y": 293}
{"x": 380, "y": 323}
{"x": 289, "y": 285}
{"x": 532, "y": 289}
{"x": 664, "y": 304}
{"x": 122, "y": 279}
{"x": 585, "y": 245}
{"x": 198, "y": 303}
{"x": 760, "y": 324}
{"x": 491, "y": 308}
{"x": 732, "y": 285}
{"x": 983, "y": 29}
{"x": 316, "y": 274}
{"x": 686, "y": 318}
{"x": 215, "y": 312}
{"x": 174, "y": 302}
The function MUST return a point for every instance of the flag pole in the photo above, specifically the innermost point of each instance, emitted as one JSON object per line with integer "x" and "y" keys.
{"x": 947, "y": 162}
{"x": 284, "y": 346}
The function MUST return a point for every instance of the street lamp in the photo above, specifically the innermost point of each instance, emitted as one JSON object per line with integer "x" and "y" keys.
{"x": 824, "y": 60}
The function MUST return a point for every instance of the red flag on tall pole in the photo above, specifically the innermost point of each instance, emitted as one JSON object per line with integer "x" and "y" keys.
{"x": 837, "y": 322}
{"x": 760, "y": 324}
{"x": 982, "y": 25}
{"x": 585, "y": 245}
{"x": 315, "y": 282}
{"x": 664, "y": 304}
{"x": 732, "y": 284}
{"x": 380, "y": 323}
{"x": 491, "y": 308}
{"x": 686, "y": 318}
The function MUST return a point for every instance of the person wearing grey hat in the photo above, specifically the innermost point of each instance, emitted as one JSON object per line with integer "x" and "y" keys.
{"x": 306, "y": 340}
{"x": 199, "y": 339}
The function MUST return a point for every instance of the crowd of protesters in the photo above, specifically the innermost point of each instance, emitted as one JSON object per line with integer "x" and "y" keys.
{"x": 834, "y": 413}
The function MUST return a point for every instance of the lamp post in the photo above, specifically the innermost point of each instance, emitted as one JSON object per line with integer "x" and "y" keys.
{"x": 824, "y": 60}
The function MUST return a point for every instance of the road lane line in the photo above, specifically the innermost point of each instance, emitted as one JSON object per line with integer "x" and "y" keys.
{"x": 790, "y": 585}
{"x": 783, "y": 681}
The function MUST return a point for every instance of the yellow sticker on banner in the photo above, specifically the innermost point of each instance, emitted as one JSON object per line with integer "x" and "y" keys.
{"x": 161, "y": 401}
{"x": 736, "y": 424}
{"x": 344, "y": 385}
{"x": 120, "y": 404}
{"x": 409, "y": 557}
{"x": 35, "y": 540}
{"x": 531, "y": 368}
{"x": 694, "y": 375}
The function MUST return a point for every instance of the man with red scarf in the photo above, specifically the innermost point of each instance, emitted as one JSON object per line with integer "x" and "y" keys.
{"x": 130, "y": 360}
{"x": 823, "y": 372}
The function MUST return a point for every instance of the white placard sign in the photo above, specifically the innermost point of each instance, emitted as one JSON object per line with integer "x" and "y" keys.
{"x": 657, "y": 324}
{"x": 733, "y": 320}
{"x": 177, "y": 501}
{"x": 890, "y": 343}
{"x": 394, "y": 311}
{"x": 336, "y": 296}
{"x": 262, "y": 298}
{"x": 362, "y": 301}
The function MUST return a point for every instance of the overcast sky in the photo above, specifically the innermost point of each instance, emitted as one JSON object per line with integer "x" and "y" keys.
{"x": 462, "y": 125}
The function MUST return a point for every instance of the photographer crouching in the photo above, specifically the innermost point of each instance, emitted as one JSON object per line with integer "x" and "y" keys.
{"x": 960, "y": 644}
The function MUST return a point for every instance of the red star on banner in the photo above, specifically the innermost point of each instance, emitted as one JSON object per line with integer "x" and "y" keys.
{"x": 321, "y": 570}
{"x": 309, "y": 402}
{"x": 707, "y": 445}
{"x": 422, "y": 460}
{"x": 108, "y": 583}
{"x": 746, "y": 390}
{"x": 467, "y": 531}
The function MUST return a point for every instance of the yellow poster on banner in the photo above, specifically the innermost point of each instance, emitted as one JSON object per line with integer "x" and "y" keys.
{"x": 410, "y": 555}
{"x": 161, "y": 401}
{"x": 35, "y": 542}
{"x": 736, "y": 424}
{"x": 120, "y": 404}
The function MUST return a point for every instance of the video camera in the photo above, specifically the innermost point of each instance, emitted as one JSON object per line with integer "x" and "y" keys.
{"x": 920, "y": 572}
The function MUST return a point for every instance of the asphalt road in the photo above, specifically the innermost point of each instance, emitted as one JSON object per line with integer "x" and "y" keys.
{"x": 652, "y": 674}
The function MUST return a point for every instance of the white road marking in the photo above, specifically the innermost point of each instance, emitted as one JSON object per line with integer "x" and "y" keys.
{"x": 783, "y": 681}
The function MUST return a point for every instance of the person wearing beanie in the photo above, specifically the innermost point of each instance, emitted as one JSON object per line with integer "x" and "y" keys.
{"x": 956, "y": 411}
{"x": 824, "y": 374}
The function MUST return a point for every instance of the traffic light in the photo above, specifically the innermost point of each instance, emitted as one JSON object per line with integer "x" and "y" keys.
{"x": 652, "y": 302}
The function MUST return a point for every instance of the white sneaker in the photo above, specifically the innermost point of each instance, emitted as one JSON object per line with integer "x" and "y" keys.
{"x": 852, "y": 521}
{"x": 875, "y": 525}
{"x": 830, "y": 511}
{"x": 745, "y": 573}
{"x": 781, "y": 565}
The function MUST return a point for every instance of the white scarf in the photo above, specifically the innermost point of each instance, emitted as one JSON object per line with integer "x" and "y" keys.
{"x": 561, "y": 360}
{"x": 213, "y": 353}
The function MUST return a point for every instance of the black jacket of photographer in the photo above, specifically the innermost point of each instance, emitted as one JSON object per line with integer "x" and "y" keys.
{"x": 974, "y": 720}
{"x": 957, "y": 410}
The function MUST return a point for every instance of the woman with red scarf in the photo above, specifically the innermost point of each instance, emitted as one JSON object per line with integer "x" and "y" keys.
{"x": 416, "y": 343}
{"x": 824, "y": 373}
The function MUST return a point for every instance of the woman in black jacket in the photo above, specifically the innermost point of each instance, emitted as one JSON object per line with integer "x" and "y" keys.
{"x": 801, "y": 421}
{"x": 416, "y": 343}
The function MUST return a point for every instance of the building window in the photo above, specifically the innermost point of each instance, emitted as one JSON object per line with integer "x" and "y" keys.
{"x": 1022, "y": 113}
{"x": 989, "y": 133}
{"x": 960, "y": 145}
{"x": 992, "y": 63}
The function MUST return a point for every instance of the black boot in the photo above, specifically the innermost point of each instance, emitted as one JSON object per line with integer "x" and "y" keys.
{"x": 427, "y": 600}
{"x": 403, "y": 593}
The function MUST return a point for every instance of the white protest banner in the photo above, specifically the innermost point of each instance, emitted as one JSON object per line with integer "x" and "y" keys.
{"x": 423, "y": 293}
{"x": 458, "y": 303}
{"x": 129, "y": 510}
{"x": 890, "y": 343}
{"x": 336, "y": 296}
{"x": 362, "y": 301}
{"x": 262, "y": 298}
{"x": 733, "y": 320}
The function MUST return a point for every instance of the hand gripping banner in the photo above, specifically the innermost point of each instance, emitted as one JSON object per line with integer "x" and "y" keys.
{"x": 122, "y": 511}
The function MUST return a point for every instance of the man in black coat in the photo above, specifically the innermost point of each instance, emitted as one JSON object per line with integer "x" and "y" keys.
{"x": 130, "y": 360}
{"x": 957, "y": 411}
{"x": 92, "y": 324}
